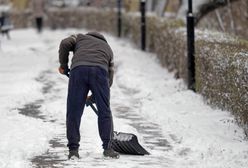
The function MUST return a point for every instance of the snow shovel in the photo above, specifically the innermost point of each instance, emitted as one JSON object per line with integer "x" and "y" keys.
{"x": 125, "y": 143}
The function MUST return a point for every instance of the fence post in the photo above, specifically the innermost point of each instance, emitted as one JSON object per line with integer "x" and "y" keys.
{"x": 119, "y": 4}
{"x": 191, "y": 46}
{"x": 143, "y": 24}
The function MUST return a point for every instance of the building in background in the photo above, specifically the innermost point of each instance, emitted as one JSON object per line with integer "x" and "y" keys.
{"x": 3, "y": 2}
{"x": 159, "y": 7}
{"x": 164, "y": 7}
{"x": 131, "y": 5}
{"x": 20, "y": 4}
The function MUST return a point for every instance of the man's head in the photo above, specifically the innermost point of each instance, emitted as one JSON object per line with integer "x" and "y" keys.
{"x": 97, "y": 35}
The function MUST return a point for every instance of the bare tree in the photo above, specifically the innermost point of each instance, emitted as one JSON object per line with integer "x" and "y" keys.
{"x": 245, "y": 3}
{"x": 229, "y": 5}
{"x": 211, "y": 6}
{"x": 219, "y": 20}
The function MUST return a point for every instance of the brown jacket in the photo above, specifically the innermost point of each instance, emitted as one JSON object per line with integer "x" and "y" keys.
{"x": 89, "y": 49}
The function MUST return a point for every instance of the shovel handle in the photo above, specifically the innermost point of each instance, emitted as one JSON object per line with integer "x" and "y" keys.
{"x": 93, "y": 108}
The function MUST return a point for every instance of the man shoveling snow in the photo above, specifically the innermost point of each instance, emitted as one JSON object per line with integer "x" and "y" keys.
{"x": 91, "y": 70}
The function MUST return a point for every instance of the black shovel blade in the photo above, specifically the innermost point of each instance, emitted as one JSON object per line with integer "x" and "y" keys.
{"x": 127, "y": 143}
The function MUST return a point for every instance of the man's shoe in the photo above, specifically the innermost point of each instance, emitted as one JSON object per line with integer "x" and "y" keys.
{"x": 111, "y": 153}
{"x": 73, "y": 154}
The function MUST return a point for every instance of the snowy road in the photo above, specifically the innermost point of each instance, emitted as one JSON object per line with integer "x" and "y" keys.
{"x": 172, "y": 123}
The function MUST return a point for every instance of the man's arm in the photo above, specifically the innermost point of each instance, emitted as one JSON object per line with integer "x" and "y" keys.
{"x": 111, "y": 70}
{"x": 111, "y": 74}
{"x": 65, "y": 47}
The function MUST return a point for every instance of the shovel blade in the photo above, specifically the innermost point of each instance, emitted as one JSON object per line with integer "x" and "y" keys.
{"x": 127, "y": 143}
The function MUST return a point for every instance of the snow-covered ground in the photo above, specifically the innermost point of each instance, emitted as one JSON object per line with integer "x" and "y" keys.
{"x": 145, "y": 99}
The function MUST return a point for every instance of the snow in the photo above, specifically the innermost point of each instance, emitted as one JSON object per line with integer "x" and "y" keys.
{"x": 21, "y": 137}
{"x": 209, "y": 36}
{"x": 4, "y": 8}
{"x": 198, "y": 135}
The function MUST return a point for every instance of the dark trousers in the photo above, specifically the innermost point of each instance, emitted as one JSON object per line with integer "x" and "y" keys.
{"x": 82, "y": 79}
{"x": 39, "y": 23}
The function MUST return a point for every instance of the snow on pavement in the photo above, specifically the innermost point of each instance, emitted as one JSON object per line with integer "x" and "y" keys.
{"x": 172, "y": 123}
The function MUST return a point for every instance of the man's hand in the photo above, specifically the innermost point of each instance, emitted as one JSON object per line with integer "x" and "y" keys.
{"x": 90, "y": 100}
{"x": 61, "y": 70}
{"x": 64, "y": 71}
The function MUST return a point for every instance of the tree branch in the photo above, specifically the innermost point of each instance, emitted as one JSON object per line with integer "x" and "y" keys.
{"x": 209, "y": 7}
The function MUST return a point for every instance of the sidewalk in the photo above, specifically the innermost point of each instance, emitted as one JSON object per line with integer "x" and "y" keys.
{"x": 171, "y": 122}
{"x": 126, "y": 120}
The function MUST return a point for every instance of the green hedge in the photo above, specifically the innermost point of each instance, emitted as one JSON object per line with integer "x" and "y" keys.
{"x": 222, "y": 76}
